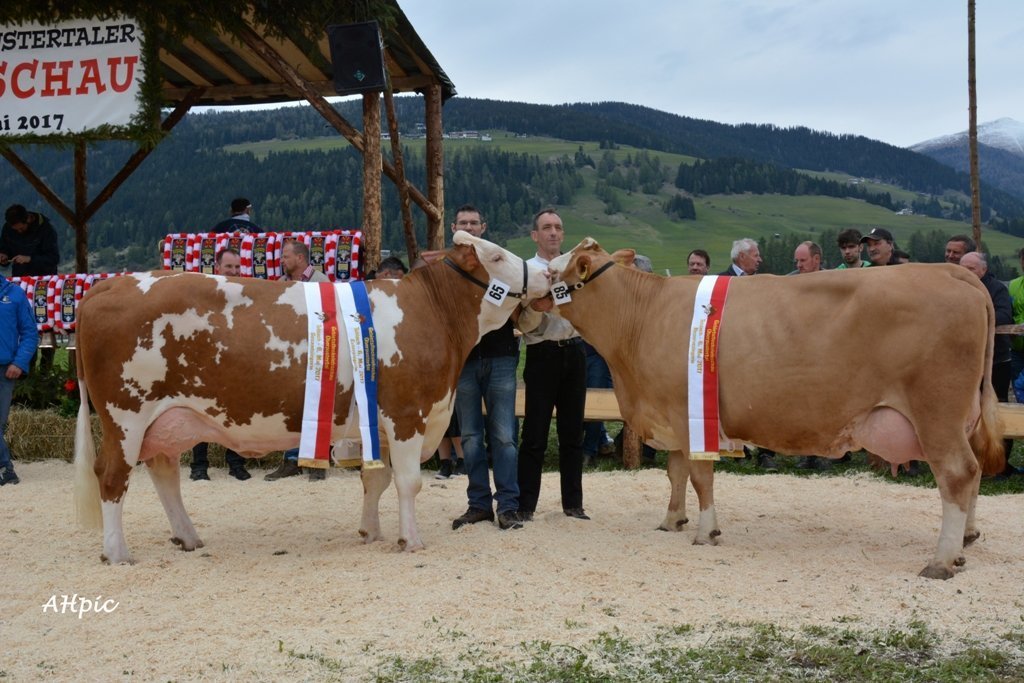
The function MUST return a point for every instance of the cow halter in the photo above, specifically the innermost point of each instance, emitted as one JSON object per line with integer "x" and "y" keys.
{"x": 581, "y": 283}
{"x": 469, "y": 276}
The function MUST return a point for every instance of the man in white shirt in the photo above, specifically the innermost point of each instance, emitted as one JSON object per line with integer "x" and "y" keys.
{"x": 555, "y": 377}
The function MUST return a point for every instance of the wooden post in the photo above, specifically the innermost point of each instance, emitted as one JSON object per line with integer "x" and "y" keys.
{"x": 403, "y": 188}
{"x": 435, "y": 166}
{"x": 81, "y": 201}
{"x": 372, "y": 160}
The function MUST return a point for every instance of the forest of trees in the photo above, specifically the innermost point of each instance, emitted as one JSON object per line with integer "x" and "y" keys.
{"x": 189, "y": 179}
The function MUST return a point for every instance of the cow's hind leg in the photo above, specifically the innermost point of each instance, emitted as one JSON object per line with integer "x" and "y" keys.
{"x": 166, "y": 476}
{"x": 702, "y": 474}
{"x": 678, "y": 475}
{"x": 112, "y": 473}
{"x": 957, "y": 475}
{"x": 375, "y": 481}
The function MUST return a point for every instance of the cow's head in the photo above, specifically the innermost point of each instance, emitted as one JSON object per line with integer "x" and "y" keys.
{"x": 493, "y": 265}
{"x": 585, "y": 261}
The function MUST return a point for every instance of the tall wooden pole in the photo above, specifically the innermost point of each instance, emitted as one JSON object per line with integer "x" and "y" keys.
{"x": 372, "y": 160}
{"x": 81, "y": 201}
{"x": 411, "y": 247}
{"x": 972, "y": 132}
{"x": 435, "y": 167}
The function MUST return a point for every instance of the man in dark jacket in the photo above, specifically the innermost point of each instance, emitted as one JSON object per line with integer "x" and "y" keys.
{"x": 18, "y": 339}
{"x": 977, "y": 263}
{"x": 28, "y": 242}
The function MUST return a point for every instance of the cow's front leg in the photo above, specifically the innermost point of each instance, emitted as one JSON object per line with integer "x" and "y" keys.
{"x": 166, "y": 476}
{"x": 702, "y": 474}
{"x": 678, "y": 475}
{"x": 375, "y": 481}
{"x": 405, "y": 460}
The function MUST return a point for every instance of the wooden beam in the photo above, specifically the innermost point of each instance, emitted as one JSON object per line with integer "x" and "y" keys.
{"x": 183, "y": 69}
{"x": 257, "y": 91}
{"x": 435, "y": 167}
{"x": 140, "y": 154}
{"x": 403, "y": 187}
{"x": 369, "y": 254}
{"x": 81, "y": 198}
{"x": 260, "y": 47}
{"x": 216, "y": 61}
{"x": 296, "y": 58}
{"x": 38, "y": 184}
{"x": 252, "y": 58}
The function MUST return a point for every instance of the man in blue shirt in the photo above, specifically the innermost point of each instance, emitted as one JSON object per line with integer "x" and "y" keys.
{"x": 18, "y": 340}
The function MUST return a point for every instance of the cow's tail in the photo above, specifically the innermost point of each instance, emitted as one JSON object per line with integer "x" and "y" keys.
{"x": 87, "y": 486}
{"x": 987, "y": 438}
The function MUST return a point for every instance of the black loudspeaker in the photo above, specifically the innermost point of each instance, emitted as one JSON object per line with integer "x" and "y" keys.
{"x": 357, "y": 55}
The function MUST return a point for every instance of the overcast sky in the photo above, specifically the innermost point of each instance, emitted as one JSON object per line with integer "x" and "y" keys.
{"x": 893, "y": 70}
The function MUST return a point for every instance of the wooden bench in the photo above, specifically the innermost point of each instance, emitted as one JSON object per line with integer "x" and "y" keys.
{"x": 602, "y": 405}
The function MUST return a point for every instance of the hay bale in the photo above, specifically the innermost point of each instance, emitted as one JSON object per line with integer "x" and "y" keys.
{"x": 46, "y": 435}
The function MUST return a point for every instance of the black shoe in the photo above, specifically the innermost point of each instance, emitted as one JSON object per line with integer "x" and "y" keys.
{"x": 808, "y": 462}
{"x": 576, "y": 513}
{"x": 9, "y": 477}
{"x": 472, "y": 516}
{"x": 460, "y": 467}
{"x": 524, "y": 515}
{"x": 317, "y": 474}
{"x": 287, "y": 468}
{"x": 766, "y": 461}
{"x": 445, "y": 471}
{"x": 199, "y": 475}
{"x": 509, "y": 520}
{"x": 240, "y": 473}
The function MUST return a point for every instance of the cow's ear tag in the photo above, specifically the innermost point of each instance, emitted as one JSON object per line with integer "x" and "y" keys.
{"x": 497, "y": 292}
{"x": 560, "y": 293}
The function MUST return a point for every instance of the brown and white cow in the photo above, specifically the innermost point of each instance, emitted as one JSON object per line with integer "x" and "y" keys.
{"x": 170, "y": 360}
{"x": 920, "y": 334}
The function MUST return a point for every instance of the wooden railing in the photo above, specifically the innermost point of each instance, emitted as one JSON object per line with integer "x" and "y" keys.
{"x": 602, "y": 405}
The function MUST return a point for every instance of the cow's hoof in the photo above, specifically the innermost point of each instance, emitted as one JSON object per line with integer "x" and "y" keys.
{"x": 971, "y": 537}
{"x": 370, "y": 538}
{"x": 712, "y": 538}
{"x": 127, "y": 561}
{"x": 409, "y": 547}
{"x": 669, "y": 525}
{"x": 937, "y": 571}
{"x": 187, "y": 547}
{"x": 960, "y": 561}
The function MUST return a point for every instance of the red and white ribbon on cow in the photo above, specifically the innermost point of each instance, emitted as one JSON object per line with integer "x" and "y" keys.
{"x": 321, "y": 374}
{"x": 707, "y": 441}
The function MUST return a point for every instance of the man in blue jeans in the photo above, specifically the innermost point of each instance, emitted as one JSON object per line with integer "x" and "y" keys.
{"x": 489, "y": 378}
{"x": 18, "y": 340}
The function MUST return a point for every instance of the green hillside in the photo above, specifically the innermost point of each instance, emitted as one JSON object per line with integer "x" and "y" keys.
{"x": 644, "y": 226}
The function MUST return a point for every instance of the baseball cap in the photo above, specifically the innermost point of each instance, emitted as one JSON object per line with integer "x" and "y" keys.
{"x": 877, "y": 234}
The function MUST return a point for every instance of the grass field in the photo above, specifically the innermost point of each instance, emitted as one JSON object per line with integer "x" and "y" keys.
{"x": 721, "y": 219}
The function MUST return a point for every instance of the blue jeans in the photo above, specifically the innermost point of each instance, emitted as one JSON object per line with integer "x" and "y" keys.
{"x": 492, "y": 381}
{"x": 598, "y": 377}
{"x": 292, "y": 454}
{"x": 6, "y": 391}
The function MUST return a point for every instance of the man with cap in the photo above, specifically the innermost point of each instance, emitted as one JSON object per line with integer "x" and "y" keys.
{"x": 881, "y": 247}
{"x": 240, "y": 221}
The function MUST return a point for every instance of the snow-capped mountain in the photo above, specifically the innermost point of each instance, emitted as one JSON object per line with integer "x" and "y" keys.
{"x": 1000, "y": 153}
{"x": 1005, "y": 134}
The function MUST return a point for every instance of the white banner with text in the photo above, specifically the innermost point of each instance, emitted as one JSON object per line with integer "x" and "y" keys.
{"x": 71, "y": 77}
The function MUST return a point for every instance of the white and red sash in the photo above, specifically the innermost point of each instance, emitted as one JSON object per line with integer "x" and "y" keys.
{"x": 321, "y": 375}
{"x": 707, "y": 441}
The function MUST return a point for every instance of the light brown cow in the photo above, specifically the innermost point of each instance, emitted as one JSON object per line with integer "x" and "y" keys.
{"x": 922, "y": 335}
{"x": 170, "y": 360}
